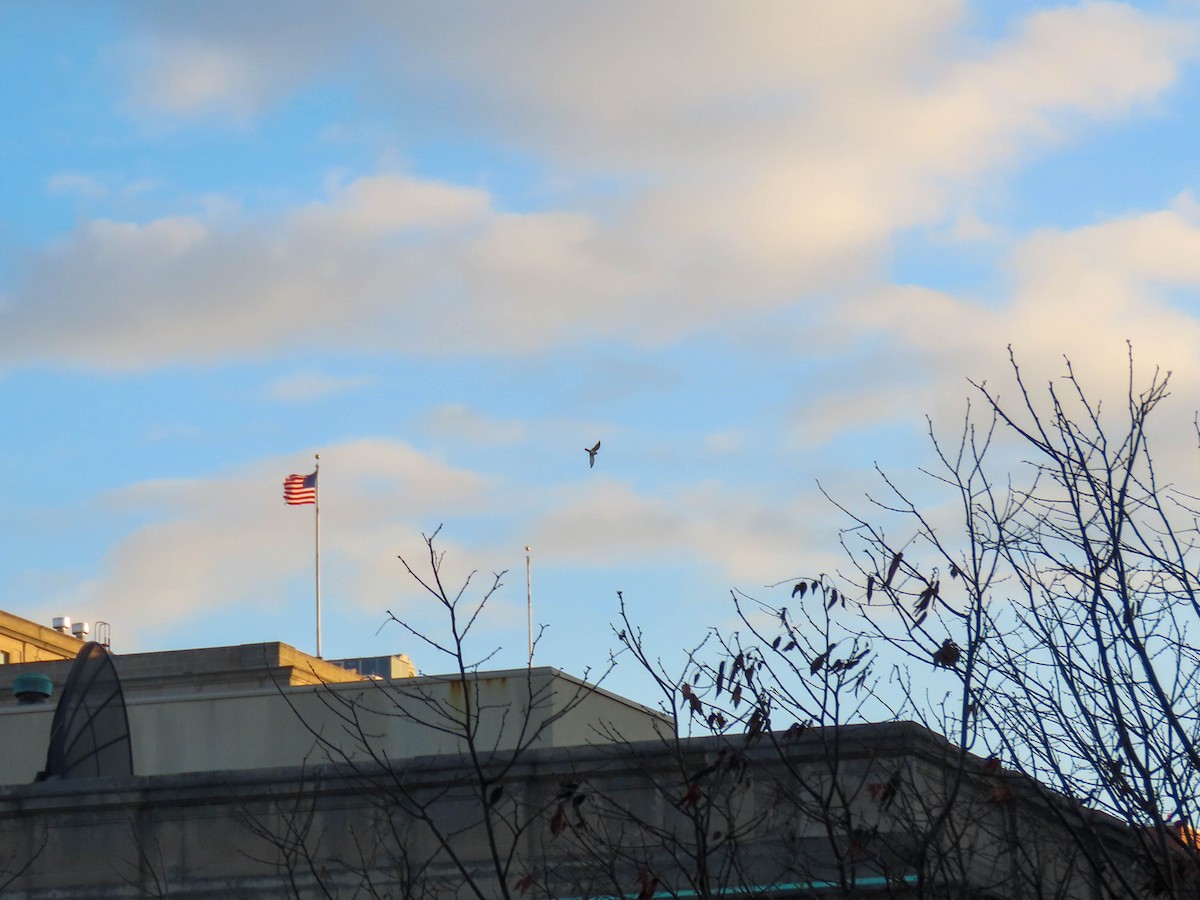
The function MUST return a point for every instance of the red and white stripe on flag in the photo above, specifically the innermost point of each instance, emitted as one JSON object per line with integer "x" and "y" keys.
{"x": 300, "y": 489}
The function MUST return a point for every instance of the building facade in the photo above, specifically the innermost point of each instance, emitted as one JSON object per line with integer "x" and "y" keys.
{"x": 23, "y": 641}
{"x": 263, "y": 772}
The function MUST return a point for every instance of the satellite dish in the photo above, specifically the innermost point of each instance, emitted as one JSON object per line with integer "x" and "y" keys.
{"x": 90, "y": 733}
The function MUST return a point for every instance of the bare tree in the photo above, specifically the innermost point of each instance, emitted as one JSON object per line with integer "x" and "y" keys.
{"x": 784, "y": 797}
{"x": 1046, "y": 627}
{"x": 428, "y": 832}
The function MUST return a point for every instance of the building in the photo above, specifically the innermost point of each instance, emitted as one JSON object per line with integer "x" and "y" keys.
{"x": 264, "y": 772}
{"x": 397, "y": 665}
{"x": 258, "y": 706}
{"x": 23, "y": 641}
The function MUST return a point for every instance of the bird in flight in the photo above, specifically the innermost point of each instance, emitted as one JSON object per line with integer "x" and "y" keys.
{"x": 591, "y": 452}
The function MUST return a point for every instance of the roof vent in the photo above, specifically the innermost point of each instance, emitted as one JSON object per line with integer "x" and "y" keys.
{"x": 32, "y": 688}
{"x": 62, "y": 624}
{"x": 81, "y": 630}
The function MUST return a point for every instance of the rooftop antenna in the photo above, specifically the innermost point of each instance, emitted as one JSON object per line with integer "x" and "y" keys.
{"x": 89, "y": 736}
{"x": 529, "y": 602}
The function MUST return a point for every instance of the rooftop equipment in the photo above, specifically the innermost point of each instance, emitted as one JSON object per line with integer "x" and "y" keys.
{"x": 32, "y": 688}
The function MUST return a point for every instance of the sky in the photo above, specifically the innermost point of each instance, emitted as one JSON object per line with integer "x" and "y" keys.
{"x": 748, "y": 247}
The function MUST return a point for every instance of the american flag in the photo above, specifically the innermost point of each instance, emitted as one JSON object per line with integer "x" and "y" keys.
{"x": 300, "y": 489}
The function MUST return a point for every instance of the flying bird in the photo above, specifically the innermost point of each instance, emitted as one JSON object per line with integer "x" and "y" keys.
{"x": 591, "y": 452}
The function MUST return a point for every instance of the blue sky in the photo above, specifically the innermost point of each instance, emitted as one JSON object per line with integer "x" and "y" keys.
{"x": 748, "y": 247}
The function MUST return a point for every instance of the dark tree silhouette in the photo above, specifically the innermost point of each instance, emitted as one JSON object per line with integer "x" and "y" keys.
{"x": 1044, "y": 620}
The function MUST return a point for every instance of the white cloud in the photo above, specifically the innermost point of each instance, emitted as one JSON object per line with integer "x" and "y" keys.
{"x": 622, "y": 62}
{"x": 305, "y": 386}
{"x": 199, "y": 76}
{"x": 1082, "y": 294}
{"x": 387, "y": 262}
{"x": 899, "y": 95}
{"x": 773, "y": 153}
{"x": 126, "y": 295}
{"x": 230, "y": 58}
{"x": 729, "y": 530}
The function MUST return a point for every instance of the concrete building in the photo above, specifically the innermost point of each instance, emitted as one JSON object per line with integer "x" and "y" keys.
{"x": 264, "y": 772}
{"x": 398, "y": 665}
{"x": 258, "y": 706}
{"x": 23, "y": 641}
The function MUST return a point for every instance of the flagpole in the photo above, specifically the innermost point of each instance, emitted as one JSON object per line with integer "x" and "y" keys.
{"x": 529, "y": 604}
{"x": 317, "y": 530}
